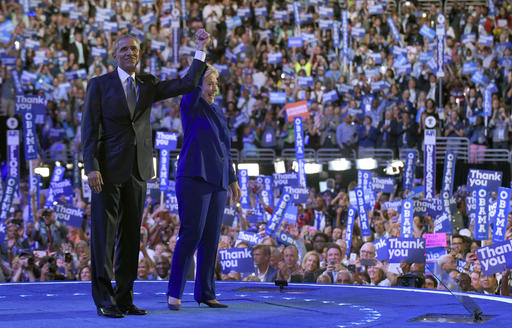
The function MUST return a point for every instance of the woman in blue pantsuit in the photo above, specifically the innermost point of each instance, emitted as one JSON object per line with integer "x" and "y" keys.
{"x": 205, "y": 175}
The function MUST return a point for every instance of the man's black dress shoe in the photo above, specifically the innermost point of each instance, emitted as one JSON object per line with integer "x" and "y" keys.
{"x": 110, "y": 312}
{"x": 133, "y": 310}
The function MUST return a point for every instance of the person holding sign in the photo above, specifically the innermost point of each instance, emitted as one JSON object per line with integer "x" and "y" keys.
{"x": 205, "y": 174}
{"x": 116, "y": 139}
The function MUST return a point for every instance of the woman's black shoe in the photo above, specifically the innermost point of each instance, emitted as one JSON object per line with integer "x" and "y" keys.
{"x": 212, "y": 304}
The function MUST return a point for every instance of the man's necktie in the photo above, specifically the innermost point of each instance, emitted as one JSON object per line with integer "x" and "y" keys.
{"x": 131, "y": 96}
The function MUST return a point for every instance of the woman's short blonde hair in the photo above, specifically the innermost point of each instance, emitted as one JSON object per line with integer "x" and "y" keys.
{"x": 211, "y": 70}
{"x": 309, "y": 254}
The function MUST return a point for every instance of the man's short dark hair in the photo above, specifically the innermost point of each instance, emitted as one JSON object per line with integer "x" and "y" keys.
{"x": 333, "y": 245}
{"x": 264, "y": 248}
{"x": 321, "y": 234}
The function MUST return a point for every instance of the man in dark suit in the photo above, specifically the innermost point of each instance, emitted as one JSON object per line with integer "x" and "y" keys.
{"x": 80, "y": 50}
{"x": 117, "y": 149}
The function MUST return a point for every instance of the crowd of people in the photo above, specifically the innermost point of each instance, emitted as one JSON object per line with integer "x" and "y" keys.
{"x": 361, "y": 115}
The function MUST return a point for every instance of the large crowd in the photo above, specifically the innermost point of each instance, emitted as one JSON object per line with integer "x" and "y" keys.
{"x": 384, "y": 88}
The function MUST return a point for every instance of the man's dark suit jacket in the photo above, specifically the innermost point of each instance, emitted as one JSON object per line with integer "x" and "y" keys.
{"x": 74, "y": 49}
{"x": 108, "y": 130}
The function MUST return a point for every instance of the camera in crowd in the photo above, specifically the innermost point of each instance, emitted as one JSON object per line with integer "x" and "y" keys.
{"x": 413, "y": 279}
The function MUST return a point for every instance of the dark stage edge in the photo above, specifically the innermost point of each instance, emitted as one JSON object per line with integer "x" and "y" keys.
{"x": 69, "y": 304}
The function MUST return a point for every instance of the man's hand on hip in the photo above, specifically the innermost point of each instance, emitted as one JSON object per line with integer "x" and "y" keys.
{"x": 95, "y": 181}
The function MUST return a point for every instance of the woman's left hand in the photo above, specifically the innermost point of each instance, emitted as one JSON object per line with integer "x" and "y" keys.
{"x": 235, "y": 191}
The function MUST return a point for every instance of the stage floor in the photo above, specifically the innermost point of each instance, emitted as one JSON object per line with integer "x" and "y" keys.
{"x": 69, "y": 304}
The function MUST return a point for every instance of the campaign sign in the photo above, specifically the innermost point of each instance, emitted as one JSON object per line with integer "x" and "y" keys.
{"x": 407, "y": 218}
{"x": 433, "y": 254}
{"x": 358, "y": 32}
{"x": 250, "y": 237}
{"x": 285, "y": 179}
{"x": 261, "y": 11}
{"x": 295, "y": 42}
{"x": 166, "y": 140}
{"x": 410, "y": 167}
{"x": 428, "y": 32}
{"x": 449, "y": 173}
{"x": 13, "y": 153}
{"x": 290, "y": 215}
{"x": 430, "y": 171}
{"x": 435, "y": 239}
{"x": 295, "y": 109}
{"x": 34, "y": 103}
{"x": 277, "y": 97}
{"x": 236, "y": 259}
{"x": 394, "y": 29}
{"x": 482, "y": 220}
{"x": 411, "y": 250}
{"x": 491, "y": 180}
{"x": 171, "y": 202}
{"x": 164, "y": 169}
{"x": 364, "y": 179}
{"x": 394, "y": 205}
{"x": 275, "y": 57}
{"x": 229, "y": 215}
{"x": 11, "y": 185}
{"x": 330, "y": 96}
{"x": 501, "y": 216}
{"x": 363, "y": 216}
{"x": 479, "y": 78}
{"x": 243, "y": 178}
{"x": 386, "y": 185}
{"x": 278, "y": 215}
{"x": 381, "y": 249}
{"x": 240, "y": 48}
{"x": 495, "y": 257}
{"x": 351, "y": 216}
{"x": 305, "y": 81}
{"x": 29, "y": 135}
{"x": 71, "y": 216}
{"x": 280, "y": 15}
{"x": 299, "y": 194}
{"x": 62, "y": 188}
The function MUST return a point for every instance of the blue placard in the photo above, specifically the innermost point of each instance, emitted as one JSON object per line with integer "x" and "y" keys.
{"x": 335, "y": 34}
{"x": 296, "y": 13}
{"x": 491, "y": 180}
{"x": 277, "y": 97}
{"x": 9, "y": 60}
{"x": 486, "y": 40}
{"x": 285, "y": 179}
{"x": 469, "y": 67}
{"x": 290, "y": 215}
{"x": 266, "y": 34}
{"x": 394, "y": 205}
{"x": 425, "y": 56}
{"x": 243, "y": 178}
{"x": 411, "y": 250}
{"x": 434, "y": 254}
{"x": 229, "y": 215}
{"x": 168, "y": 72}
{"x": 482, "y": 218}
{"x": 240, "y": 48}
{"x": 275, "y": 57}
{"x": 110, "y": 27}
{"x": 358, "y": 32}
{"x": 280, "y": 15}
{"x": 324, "y": 11}
{"x": 250, "y": 237}
{"x": 163, "y": 175}
{"x": 394, "y": 29}
{"x": 295, "y": 42}
{"x": 386, "y": 185}
{"x": 148, "y": 19}
{"x": 233, "y": 22}
{"x": 305, "y": 81}
{"x": 428, "y": 32}
{"x": 171, "y": 201}
{"x": 399, "y": 51}
{"x": 236, "y": 259}
{"x": 501, "y": 216}
{"x": 351, "y": 216}
{"x": 166, "y": 140}
{"x": 71, "y": 216}
{"x": 158, "y": 45}
{"x": 344, "y": 33}
{"x": 261, "y": 11}
{"x": 449, "y": 173}
{"x": 99, "y": 52}
{"x": 363, "y": 216}
{"x": 467, "y": 38}
{"x": 407, "y": 218}
{"x": 13, "y": 154}
{"x": 278, "y": 215}
{"x": 223, "y": 69}
{"x": 29, "y": 135}
{"x": 443, "y": 224}
{"x": 494, "y": 258}
{"x": 375, "y": 9}
{"x": 299, "y": 149}
{"x": 344, "y": 88}
{"x": 243, "y": 12}
{"x": 330, "y": 96}
{"x": 381, "y": 249}
{"x": 11, "y": 185}
{"x": 61, "y": 188}
{"x": 287, "y": 240}
{"x": 430, "y": 171}
{"x": 299, "y": 194}
{"x": 479, "y": 78}
{"x": 325, "y": 24}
